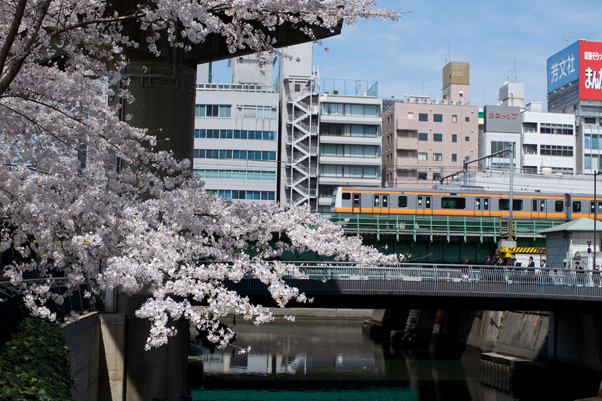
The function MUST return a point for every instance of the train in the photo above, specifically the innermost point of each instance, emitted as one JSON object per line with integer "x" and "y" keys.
{"x": 462, "y": 201}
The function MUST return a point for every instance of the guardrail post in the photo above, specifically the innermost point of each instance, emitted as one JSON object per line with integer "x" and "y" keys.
{"x": 378, "y": 227}
{"x": 464, "y": 228}
{"x": 481, "y": 228}
{"x": 447, "y": 228}
{"x": 414, "y": 227}
{"x": 397, "y": 228}
{"x": 357, "y": 219}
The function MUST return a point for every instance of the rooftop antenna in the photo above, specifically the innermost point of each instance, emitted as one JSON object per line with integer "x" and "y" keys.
{"x": 566, "y": 40}
{"x": 448, "y": 55}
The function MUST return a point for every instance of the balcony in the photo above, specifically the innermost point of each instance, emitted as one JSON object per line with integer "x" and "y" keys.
{"x": 407, "y": 143}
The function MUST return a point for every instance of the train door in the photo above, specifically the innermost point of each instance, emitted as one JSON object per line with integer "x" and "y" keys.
{"x": 591, "y": 210}
{"x": 481, "y": 207}
{"x": 380, "y": 204}
{"x": 423, "y": 205}
{"x": 538, "y": 209}
{"x": 384, "y": 206}
{"x": 542, "y": 211}
{"x": 357, "y": 203}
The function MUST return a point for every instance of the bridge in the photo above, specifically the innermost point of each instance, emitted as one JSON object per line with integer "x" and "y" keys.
{"x": 446, "y": 227}
{"x": 436, "y": 286}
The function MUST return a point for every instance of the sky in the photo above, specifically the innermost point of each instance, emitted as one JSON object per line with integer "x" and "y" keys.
{"x": 407, "y": 56}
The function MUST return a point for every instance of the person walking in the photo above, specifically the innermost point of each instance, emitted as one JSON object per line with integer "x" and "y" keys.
{"x": 531, "y": 262}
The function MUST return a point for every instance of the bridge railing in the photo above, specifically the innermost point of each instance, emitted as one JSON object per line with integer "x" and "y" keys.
{"x": 446, "y": 280}
{"x": 448, "y": 226}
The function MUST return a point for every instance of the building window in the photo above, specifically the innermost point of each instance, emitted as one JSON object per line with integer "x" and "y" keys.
{"x": 436, "y": 176}
{"x": 590, "y": 120}
{"x": 437, "y": 157}
{"x": 212, "y": 110}
{"x": 259, "y": 112}
{"x": 438, "y": 137}
{"x": 454, "y": 157}
{"x": 423, "y": 156}
{"x": 248, "y": 195}
{"x": 438, "y": 118}
{"x": 423, "y": 136}
{"x": 553, "y": 150}
{"x": 355, "y": 110}
{"x": 410, "y": 115}
{"x": 357, "y": 130}
{"x": 454, "y": 118}
{"x": 337, "y": 170}
{"x": 348, "y": 150}
{"x": 234, "y": 154}
{"x": 559, "y": 129}
{"x": 467, "y": 139}
{"x": 423, "y": 117}
{"x": 454, "y": 138}
{"x": 467, "y": 119}
{"x": 235, "y": 134}
{"x": 236, "y": 174}
{"x": 422, "y": 176}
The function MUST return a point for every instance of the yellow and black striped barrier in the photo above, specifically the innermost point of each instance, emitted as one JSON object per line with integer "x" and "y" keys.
{"x": 534, "y": 250}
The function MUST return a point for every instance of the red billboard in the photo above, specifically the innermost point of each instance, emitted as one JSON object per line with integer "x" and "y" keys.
{"x": 590, "y": 70}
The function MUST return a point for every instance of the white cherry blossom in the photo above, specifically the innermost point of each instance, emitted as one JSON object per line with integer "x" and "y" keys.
{"x": 151, "y": 224}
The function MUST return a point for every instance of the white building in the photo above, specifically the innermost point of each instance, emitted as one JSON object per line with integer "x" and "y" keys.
{"x": 547, "y": 142}
{"x": 236, "y": 136}
{"x": 350, "y": 143}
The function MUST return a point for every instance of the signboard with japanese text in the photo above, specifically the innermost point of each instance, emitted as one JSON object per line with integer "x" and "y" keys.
{"x": 563, "y": 67}
{"x": 590, "y": 70}
{"x": 580, "y": 61}
{"x": 502, "y": 119}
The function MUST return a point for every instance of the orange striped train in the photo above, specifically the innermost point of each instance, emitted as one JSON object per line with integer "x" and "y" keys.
{"x": 462, "y": 201}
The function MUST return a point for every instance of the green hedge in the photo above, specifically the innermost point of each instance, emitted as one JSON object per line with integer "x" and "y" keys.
{"x": 35, "y": 363}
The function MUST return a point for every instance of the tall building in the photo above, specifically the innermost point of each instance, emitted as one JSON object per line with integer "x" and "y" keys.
{"x": 331, "y": 132}
{"x": 236, "y": 133}
{"x": 350, "y": 143}
{"x": 575, "y": 87}
{"x": 423, "y": 139}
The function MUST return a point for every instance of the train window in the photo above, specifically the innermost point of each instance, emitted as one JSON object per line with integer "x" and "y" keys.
{"x": 385, "y": 201}
{"x": 346, "y": 195}
{"x": 453, "y": 203}
{"x": 534, "y": 208}
{"x": 504, "y": 204}
{"x": 486, "y": 204}
{"x": 376, "y": 201}
{"x": 599, "y": 208}
{"x": 356, "y": 200}
{"x": 427, "y": 203}
{"x": 559, "y": 206}
{"x": 576, "y": 207}
{"x": 420, "y": 201}
{"x": 402, "y": 201}
{"x": 477, "y": 203}
{"x": 542, "y": 206}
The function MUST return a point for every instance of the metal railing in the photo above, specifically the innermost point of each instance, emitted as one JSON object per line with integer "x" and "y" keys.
{"x": 444, "y": 280}
{"x": 448, "y": 226}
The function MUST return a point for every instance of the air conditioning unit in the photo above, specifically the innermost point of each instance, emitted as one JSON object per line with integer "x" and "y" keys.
{"x": 459, "y": 103}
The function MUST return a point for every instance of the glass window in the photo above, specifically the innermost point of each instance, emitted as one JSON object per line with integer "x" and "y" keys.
{"x": 423, "y": 117}
{"x": 199, "y": 133}
{"x": 454, "y": 157}
{"x": 517, "y": 204}
{"x": 477, "y": 203}
{"x": 199, "y": 110}
{"x": 467, "y": 119}
{"x": 422, "y": 156}
{"x": 594, "y": 141}
{"x": 370, "y": 111}
{"x": 454, "y": 137}
{"x": 402, "y": 201}
{"x": 467, "y": 139}
{"x": 454, "y": 118}
{"x": 437, "y": 157}
{"x": 376, "y": 201}
{"x": 486, "y": 204}
{"x": 504, "y": 204}
{"x": 438, "y": 118}
{"x": 422, "y": 176}
{"x": 453, "y": 203}
{"x": 559, "y": 206}
{"x": 427, "y": 203}
{"x": 438, "y": 137}
{"x": 587, "y": 142}
{"x": 587, "y": 162}
{"x": 423, "y": 136}
{"x": 576, "y": 207}
{"x": 542, "y": 206}
{"x": 385, "y": 200}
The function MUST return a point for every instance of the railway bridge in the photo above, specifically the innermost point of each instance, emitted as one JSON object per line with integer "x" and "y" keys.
{"x": 443, "y": 239}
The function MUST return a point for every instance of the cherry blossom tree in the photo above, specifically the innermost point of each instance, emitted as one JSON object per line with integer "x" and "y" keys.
{"x": 65, "y": 207}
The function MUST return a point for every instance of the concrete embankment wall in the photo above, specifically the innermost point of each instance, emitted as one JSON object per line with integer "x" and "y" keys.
{"x": 97, "y": 353}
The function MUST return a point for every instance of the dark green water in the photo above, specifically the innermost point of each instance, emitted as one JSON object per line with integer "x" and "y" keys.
{"x": 331, "y": 360}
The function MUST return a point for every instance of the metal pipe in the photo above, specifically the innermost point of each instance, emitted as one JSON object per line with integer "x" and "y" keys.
{"x": 511, "y": 190}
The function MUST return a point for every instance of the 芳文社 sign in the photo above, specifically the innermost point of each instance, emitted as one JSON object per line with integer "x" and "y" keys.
{"x": 581, "y": 61}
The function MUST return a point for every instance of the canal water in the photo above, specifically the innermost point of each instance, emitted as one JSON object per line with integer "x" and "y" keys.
{"x": 326, "y": 359}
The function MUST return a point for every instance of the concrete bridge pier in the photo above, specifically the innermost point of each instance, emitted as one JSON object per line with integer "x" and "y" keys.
{"x": 575, "y": 344}
{"x": 159, "y": 373}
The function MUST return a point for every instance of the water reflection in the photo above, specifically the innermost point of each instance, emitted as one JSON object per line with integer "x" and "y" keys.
{"x": 327, "y": 360}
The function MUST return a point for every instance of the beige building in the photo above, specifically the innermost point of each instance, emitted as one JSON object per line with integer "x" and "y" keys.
{"x": 425, "y": 139}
